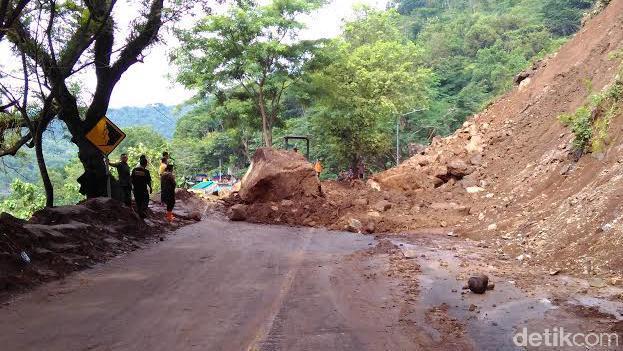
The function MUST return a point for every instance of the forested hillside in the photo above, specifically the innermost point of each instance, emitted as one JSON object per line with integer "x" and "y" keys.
{"x": 159, "y": 117}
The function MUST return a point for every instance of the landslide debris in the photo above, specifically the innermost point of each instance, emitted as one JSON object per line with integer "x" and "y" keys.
{"x": 510, "y": 177}
{"x": 276, "y": 175}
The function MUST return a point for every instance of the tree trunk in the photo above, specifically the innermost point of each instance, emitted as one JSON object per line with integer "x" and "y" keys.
{"x": 266, "y": 127}
{"x": 93, "y": 182}
{"x": 43, "y": 170}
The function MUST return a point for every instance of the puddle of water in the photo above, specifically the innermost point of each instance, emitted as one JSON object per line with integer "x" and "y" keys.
{"x": 498, "y": 313}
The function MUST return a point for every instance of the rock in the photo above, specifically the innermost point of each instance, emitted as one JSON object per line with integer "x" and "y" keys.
{"x": 354, "y": 225}
{"x": 374, "y": 185}
{"x": 565, "y": 169}
{"x": 475, "y": 145}
{"x": 360, "y": 202}
{"x": 237, "y": 213}
{"x": 522, "y": 76}
{"x": 478, "y": 284}
{"x": 450, "y": 206}
{"x": 416, "y": 149}
{"x": 439, "y": 172}
{"x": 459, "y": 168}
{"x": 195, "y": 216}
{"x": 476, "y": 160}
{"x": 554, "y": 272}
{"x": 524, "y": 83}
{"x": 474, "y": 190}
{"x": 472, "y": 307}
{"x": 523, "y": 257}
{"x": 374, "y": 214}
{"x": 410, "y": 254}
{"x": 492, "y": 227}
{"x": 287, "y": 203}
{"x": 597, "y": 283}
{"x": 275, "y": 175}
{"x": 370, "y": 227}
{"x": 382, "y": 206}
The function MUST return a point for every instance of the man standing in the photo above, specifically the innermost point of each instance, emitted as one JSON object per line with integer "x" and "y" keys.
{"x": 167, "y": 191}
{"x": 141, "y": 181}
{"x": 318, "y": 168}
{"x": 164, "y": 161}
{"x": 125, "y": 182}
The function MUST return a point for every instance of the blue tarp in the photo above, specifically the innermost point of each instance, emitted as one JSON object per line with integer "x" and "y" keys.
{"x": 203, "y": 185}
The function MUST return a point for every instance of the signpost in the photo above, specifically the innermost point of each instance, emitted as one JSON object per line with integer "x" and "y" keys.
{"x": 106, "y": 136}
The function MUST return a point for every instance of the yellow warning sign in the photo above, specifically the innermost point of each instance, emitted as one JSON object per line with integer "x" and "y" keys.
{"x": 106, "y": 136}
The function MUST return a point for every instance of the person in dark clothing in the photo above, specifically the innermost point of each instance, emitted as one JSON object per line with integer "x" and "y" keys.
{"x": 167, "y": 191}
{"x": 141, "y": 182}
{"x": 125, "y": 181}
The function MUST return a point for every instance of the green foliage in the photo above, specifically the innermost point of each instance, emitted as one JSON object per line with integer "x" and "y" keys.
{"x": 368, "y": 82}
{"x": 581, "y": 125}
{"x": 252, "y": 47}
{"x": 563, "y": 17}
{"x": 66, "y": 187}
{"x": 25, "y": 199}
{"x": 590, "y": 122}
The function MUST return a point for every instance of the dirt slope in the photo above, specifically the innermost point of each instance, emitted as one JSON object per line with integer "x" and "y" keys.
{"x": 510, "y": 176}
{"x": 536, "y": 197}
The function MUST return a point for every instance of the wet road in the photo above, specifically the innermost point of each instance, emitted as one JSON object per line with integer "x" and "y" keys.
{"x": 217, "y": 286}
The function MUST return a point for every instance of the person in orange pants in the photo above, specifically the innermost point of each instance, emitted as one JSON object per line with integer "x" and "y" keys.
{"x": 167, "y": 191}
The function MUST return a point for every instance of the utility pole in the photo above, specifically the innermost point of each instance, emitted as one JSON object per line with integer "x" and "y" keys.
{"x": 398, "y": 132}
{"x": 220, "y": 170}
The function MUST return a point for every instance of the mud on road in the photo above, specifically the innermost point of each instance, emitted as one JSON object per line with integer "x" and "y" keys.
{"x": 223, "y": 286}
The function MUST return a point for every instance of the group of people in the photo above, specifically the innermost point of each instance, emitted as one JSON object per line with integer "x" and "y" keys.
{"x": 139, "y": 182}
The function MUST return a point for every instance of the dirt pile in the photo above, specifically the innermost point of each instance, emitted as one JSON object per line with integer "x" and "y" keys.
{"x": 276, "y": 175}
{"x": 510, "y": 176}
{"x": 60, "y": 240}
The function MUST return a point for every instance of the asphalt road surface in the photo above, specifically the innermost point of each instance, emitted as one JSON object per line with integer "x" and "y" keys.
{"x": 219, "y": 286}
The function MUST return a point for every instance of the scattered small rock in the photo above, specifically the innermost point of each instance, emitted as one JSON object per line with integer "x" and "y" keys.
{"x": 382, "y": 206}
{"x": 355, "y": 225}
{"x": 237, "y": 213}
{"x": 597, "y": 283}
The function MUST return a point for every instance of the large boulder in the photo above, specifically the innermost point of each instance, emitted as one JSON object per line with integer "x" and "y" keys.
{"x": 276, "y": 175}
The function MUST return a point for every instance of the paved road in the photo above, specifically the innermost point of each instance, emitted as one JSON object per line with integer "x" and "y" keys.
{"x": 218, "y": 286}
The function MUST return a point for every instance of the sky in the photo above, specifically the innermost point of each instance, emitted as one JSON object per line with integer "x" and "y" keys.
{"x": 148, "y": 83}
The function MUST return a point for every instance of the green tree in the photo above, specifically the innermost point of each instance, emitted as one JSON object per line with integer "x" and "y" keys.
{"x": 256, "y": 48}
{"x": 563, "y": 17}
{"x": 25, "y": 199}
{"x": 363, "y": 85}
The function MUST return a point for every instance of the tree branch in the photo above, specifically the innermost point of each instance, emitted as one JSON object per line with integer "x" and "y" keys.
{"x": 15, "y": 148}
